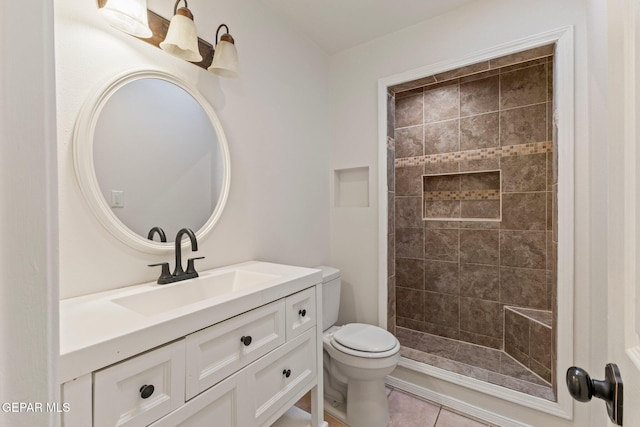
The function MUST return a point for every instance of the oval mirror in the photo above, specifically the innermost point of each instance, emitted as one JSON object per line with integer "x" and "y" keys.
{"x": 149, "y": 151}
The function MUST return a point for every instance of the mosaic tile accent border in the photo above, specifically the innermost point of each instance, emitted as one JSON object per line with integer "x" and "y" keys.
{"x": 462, "y": 195}
{"x": 479, "y": 154}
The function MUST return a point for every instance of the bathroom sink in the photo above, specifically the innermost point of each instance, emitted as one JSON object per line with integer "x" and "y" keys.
{"x": 163, "y": 298}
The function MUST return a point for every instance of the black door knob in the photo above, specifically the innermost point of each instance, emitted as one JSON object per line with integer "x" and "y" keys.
{"x": 286, "y": 373}
{"x": 146, "y": 391}
{"x": 583, "y": 388}
{"x": 246, "y": 340}
{"x": 302, "y": 312}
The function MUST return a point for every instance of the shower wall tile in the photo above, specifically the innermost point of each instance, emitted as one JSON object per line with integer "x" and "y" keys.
{"x": 409, "y": 303}
{"x": 479, "y": 247}
{"x": 490, "y": 116}
{"x": 391, "y": 214}
{"x": 391, "y": 304}
{"x": 409, "y": 242}
{"x": 441, "y": 245}
{"x": 524, "y": 211}
{"x": 391, "y": 172}
{"x": 479, "y": 131}
{"x": 439, "y": 346}
{"x": 391, "y": 248}
{"x": 409, "y": 111}
{"x": 480, "y": 281}
{"x": 441, "y": 103}
{"x": 409, "y": 181}
{"x": 481, "y": 317}
{"x": 442, "y": 309}
{"x": 442, "y": 137}
{"x": 540, "y": 342}
{"x": 524, "y": 86}
{"x": 409, "y": 142}
{"x": 525, "y": 249}
{"x": 408, "y": 212}
{"x": 479, "y": 96}
{"x": 410, "y": 273}
{"x": 391, "y": 113}
{"x": 523, "y": 173}
{"x": 441, "y": 276}
{"x": 516, "y": 336}
{"x": 523, "y": 125}
{"x": 523, "y": 287}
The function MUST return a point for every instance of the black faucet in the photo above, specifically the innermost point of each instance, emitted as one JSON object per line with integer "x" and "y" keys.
{"x": 178, "y": 273}
{"x": 160, "y": 231}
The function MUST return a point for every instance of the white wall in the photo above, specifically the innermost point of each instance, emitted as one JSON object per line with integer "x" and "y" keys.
{"x": 28, "y": 211}
{"x": 275, "y": 119}
{"x": 353, "y": 78}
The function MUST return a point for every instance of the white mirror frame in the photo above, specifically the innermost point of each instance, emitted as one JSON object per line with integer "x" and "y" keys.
{"x": 86, "y": 174}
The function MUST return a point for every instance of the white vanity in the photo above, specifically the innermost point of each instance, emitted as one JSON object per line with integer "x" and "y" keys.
{"x": 237, "y": 346}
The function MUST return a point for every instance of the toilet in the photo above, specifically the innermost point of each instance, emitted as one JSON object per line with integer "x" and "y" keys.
{"x": 356, "y": 359}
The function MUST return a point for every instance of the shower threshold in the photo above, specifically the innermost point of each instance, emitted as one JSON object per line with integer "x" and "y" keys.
{"x": 482, "y": 363}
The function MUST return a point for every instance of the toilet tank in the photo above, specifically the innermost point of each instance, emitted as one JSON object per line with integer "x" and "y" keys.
{"x": 330, "y": 296}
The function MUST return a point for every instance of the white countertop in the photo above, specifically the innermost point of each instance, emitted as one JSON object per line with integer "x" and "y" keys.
{"x": 96, "y": 332}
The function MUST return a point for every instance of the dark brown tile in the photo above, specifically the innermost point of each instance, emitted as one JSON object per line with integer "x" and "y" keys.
{"x": 523, "y": 287}
{"x": 391, "y": 114}
{"x": 524, "y": 86}
{"x": 439, "y": 346}
{"x": 391, "y": 304}
{"x": 441, "y": 277}
{"x": 452, "y": 331}
{"x": 409, "y": 242}
{"x": 523, "y": 125}
{"x": 408, "y": 212}
{"x": 480, "y": 225}
{"x": 480, "y": 209}
{"x": 442, "y": 309}
{"x": 480, "y": 281}
{"x": 407, "y": 86}
{"x": 541, "y": 344}
{"x": 408, "y": 111}
{"x": 391, "y": 253}
{"x": 479, "y": 131}
{"x": 409, "y": 181}
{"x": 519, "y": 57}
{"x": 479, "y": 96}
{"x": 436, "y": 168}
{"x": 511, "y": 367}
{"x": 410, "y": 273}
{"x": 481, "y": 317}
{"x": 542, "y": 371}
{"x": 516, "y": 336}
{"x": 478, "y": 76}
{"x": 463, "y": 71}
{"x": 442, "y": 209}
{"x": 524, "y": 211}
{"x": 525, "y": 249}
{"x": 442, "y": 225}
{"x": 441, "y": 103}
{"x": 442, "y": 183}
{"x": 480, "y": 181}
{"x": 544, "y": 392}
{"x": 481, "y": 357}
{"x": 523, "y": 173}
{"x": 391, "y": 214}
{"x": 409, "y": 142}
{"x": 550, "y": 211}
{"x": 483, "y": 340}
{"x": 408, "y": 337}
{"x": 479, "y": 247}
{"x": 479, "y": 165}
{"x": 442, "y": 137}
{"x": 409, "y": 303}
{"x": 441, "y": 245}
{"x": 391, "y": 172}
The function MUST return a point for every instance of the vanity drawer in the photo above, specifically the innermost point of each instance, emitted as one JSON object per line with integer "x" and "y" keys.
{"x": 301, "y": 312}
{"x": 220, "y": 350}
{"x": 118, "y": 390}
{"x": 279, "y": 376}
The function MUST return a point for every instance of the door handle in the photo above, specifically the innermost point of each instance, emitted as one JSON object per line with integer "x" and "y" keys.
{"x": 583, "y": 388}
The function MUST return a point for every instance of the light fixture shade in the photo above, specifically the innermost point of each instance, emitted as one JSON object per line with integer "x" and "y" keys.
{"x": 129, "y": 16}
{"x": 225, "y": 59}
{"x": 182, "y": 38}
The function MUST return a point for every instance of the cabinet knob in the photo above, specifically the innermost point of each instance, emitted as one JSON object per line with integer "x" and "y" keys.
{"x": 286, "y": 373}
{"x": 146, "y": 391}
{"x": 302, "y": 312}
{"x": 246, "y": 340}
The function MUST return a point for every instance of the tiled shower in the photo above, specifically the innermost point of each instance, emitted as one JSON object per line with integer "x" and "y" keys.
{"x": 472, "y": 174}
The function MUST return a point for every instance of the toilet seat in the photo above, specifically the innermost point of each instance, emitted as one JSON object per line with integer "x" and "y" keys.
{"x": 367, "y": 341}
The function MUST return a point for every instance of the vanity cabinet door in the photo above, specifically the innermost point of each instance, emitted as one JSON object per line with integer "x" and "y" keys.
{"x": 220, "y": 350}
{"x": 301, "y": 312}
{"x": 279, "y": 377}
{"x": 140, "y": 390}
{"x": 218, "y": 406}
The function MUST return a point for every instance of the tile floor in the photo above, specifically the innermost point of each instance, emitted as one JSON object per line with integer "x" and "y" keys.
{"x": 482, "y": 363}
{"x": 406, "y": 410}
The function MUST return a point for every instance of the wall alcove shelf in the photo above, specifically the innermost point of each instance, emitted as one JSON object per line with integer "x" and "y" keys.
{"x": 159, "y": 27}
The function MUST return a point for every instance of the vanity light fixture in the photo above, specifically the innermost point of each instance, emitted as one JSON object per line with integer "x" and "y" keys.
{"x": 182, "y": 36}
{"x": 129, "y": 16}
{"x": 225, "y": 55}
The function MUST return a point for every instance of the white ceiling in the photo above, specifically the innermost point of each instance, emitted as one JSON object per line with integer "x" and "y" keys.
{"x": 335, "y": 25}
